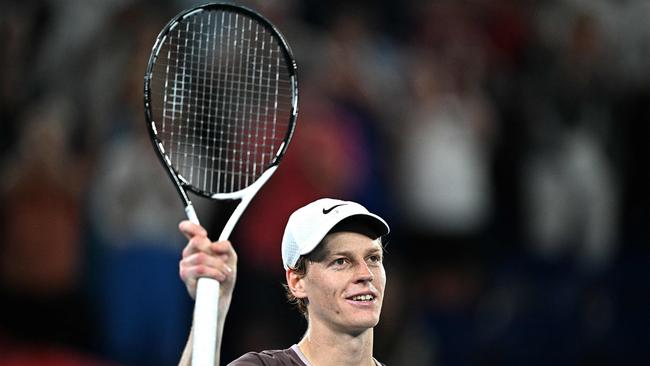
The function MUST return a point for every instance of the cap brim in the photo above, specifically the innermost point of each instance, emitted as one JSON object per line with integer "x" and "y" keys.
{"x": 376, "y": 223}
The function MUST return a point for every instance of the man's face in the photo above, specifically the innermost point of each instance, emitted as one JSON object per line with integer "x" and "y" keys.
{"x": 345, "y": 282}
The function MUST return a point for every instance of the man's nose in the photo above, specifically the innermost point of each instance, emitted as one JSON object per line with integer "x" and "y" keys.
{"x": 363, "y": 273}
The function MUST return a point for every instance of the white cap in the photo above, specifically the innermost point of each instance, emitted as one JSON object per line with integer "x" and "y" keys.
{"x": 308, "y": 225}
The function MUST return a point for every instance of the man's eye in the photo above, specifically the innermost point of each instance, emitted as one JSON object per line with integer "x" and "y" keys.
{"x": 339, "y": 262}
{"x": 375, "y": 258}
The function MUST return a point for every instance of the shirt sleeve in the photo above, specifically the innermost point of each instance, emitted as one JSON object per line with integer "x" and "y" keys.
{"x": 249, "y": 359}
{"x": 268, "y": 358}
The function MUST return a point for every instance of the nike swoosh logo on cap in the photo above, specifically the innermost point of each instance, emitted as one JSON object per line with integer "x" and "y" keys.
{"x": 326, "y": 211}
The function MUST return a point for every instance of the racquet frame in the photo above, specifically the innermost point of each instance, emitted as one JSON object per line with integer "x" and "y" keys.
{"x": 207, "y": 295}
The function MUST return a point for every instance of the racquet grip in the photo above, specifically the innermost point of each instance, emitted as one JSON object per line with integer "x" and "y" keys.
{"x": 204, "y": 339}
{"x": 206, "y": 310}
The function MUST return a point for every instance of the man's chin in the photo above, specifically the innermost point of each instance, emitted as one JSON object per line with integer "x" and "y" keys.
{"x": 361, "y": 325}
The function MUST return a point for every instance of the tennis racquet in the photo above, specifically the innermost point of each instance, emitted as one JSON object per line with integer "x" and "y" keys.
{"x": 221, "y": 101}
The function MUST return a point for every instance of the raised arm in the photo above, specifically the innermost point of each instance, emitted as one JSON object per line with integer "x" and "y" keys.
{"x": 204, "y": 258}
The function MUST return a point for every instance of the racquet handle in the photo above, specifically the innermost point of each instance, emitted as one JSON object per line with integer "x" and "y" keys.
{"x": 206, "y": 311}
{"x": 205, "y": 322}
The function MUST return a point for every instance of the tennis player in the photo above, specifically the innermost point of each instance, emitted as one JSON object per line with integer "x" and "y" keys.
{"x": 332, "y": 254}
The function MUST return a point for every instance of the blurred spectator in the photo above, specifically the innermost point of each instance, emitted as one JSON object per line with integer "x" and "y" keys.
{"x": 445, "y": 147}
{"x": 569, "y": 179}
{"x": 41, "y": 253}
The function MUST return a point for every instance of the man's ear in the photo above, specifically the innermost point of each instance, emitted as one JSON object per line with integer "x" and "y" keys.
{"x": 296, "y": 284}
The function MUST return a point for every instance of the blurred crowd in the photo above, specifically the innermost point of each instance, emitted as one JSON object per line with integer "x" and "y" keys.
{"x": 506, "y": 142}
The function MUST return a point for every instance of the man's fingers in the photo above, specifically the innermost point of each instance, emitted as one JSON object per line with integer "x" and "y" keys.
{"x": 190, "y": 229}
{"x": 204, "y": 260}
{"x": 222, "y": 247}
{"x": 191, "y": 272}
{"x": 198, "y": 244}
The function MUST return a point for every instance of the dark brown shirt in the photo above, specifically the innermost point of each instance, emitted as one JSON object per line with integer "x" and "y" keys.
{"x": 286, "y": 357}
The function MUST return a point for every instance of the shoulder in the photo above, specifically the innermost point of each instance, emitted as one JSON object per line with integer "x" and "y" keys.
{"x": 285, "y": 357}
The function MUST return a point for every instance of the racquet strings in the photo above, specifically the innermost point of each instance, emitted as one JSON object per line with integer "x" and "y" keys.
{"x": 221, "y": 98}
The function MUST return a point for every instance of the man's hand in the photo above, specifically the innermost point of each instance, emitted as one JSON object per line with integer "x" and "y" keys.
{"x": 204, "y": 258}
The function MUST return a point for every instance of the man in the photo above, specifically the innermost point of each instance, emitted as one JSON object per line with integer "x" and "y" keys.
{"x": 332, "y": 254}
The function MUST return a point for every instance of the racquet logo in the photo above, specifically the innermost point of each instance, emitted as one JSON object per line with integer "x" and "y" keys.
{"x": 326, "y": 211}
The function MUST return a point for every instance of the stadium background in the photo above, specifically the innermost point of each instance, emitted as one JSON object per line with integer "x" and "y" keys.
{"x": 505, "y": 141}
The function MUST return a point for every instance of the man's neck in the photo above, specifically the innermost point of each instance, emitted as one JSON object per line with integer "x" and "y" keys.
{"x": 324, "y": 347}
